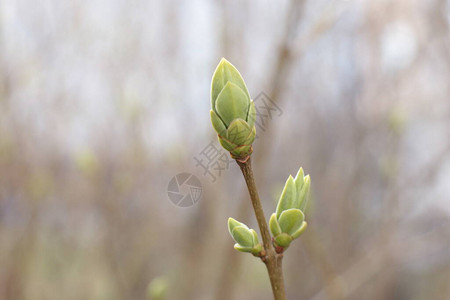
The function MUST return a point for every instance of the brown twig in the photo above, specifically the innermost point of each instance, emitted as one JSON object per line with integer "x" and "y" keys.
{"x": 272, "y": 260}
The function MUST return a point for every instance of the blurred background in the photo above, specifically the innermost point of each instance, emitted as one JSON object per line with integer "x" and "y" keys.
{"x": 103, "y": 102}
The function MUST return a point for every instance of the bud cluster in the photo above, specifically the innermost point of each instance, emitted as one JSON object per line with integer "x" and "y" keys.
{"x": 288, "y": 222}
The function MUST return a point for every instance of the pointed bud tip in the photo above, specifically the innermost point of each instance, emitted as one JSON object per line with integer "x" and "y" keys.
{"x": 301, "y": 173}
{"x": 232, "y": 223}
{"x": 223, "y": 61}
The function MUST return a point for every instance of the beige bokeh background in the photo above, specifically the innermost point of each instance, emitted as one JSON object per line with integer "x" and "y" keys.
{"x": 103, "y": 102}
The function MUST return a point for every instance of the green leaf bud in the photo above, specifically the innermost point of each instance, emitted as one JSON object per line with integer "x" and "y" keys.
{"x": 232, "y": 112}
{"x": 246, "y": 239}
{"x": 288, "y": 223}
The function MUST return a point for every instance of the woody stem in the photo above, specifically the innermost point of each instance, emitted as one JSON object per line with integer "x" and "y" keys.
{"x": 272, "y": 260}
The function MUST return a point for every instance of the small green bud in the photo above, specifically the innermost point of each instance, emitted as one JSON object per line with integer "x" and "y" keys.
{"x": 232, "y": 111}
{"x": 246, "y": 239}
{"x": 288, "y": 223}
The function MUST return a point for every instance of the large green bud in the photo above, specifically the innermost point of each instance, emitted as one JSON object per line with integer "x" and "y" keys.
{"x": 246, "y": 239}
{"x": 288, "y": 223}
{"x": 232, "y": 111}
